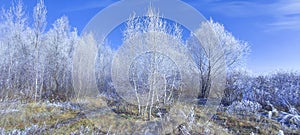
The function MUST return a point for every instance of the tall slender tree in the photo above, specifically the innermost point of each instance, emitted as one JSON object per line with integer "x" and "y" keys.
{"x": 39, "y": 16}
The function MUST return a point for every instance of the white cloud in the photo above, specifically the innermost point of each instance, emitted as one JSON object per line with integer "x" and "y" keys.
{"x": 281, "y": 14}
{"x": 288, "y": 7}
{"x": 91, "y": 5}
{"x": 231, "y": 8}
{"x": 286, "y": 14}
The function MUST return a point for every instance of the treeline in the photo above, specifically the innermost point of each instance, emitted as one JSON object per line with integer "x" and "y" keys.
{"x": 37, "y": 63}
{"x": 34, "y": 61}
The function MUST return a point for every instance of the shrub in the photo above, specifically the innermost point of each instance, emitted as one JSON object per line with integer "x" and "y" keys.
{"x": 243, "y": 107}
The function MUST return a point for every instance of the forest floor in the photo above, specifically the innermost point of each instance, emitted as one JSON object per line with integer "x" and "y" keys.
{"x": 93, "y": 116}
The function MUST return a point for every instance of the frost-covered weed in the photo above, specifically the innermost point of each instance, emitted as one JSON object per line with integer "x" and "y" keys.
{"x": 244, "y": 106}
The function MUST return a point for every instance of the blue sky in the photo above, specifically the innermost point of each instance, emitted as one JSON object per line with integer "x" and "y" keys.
{"x": 271, "y": 27}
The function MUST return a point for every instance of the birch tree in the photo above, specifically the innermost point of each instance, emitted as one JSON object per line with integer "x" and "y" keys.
{"x": 154, "y": 76}
{"x": 39, "y": 16}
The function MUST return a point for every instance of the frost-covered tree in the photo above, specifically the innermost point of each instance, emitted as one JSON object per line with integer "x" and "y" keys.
{"x": 17, "y": 51}
{"x": 212, "y": 46}
{"x": 103, "y": 68}
{"x": 2, "y": 67}
{"x": 34, "y": 61}
{"x": 39, "y": 25}
{"x": 153, "y": 75}
{"x": 59, "y": 52}
{"x": 84, "y": 76}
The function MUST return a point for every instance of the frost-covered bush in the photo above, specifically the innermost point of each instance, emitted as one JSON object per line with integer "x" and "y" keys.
{"x": 292, "y": 118}
{"x": 287, "y": 86}
{"x": 237, "y": 83}
{"x": 281, "y": 89}
{"x": 244, "y": 106}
